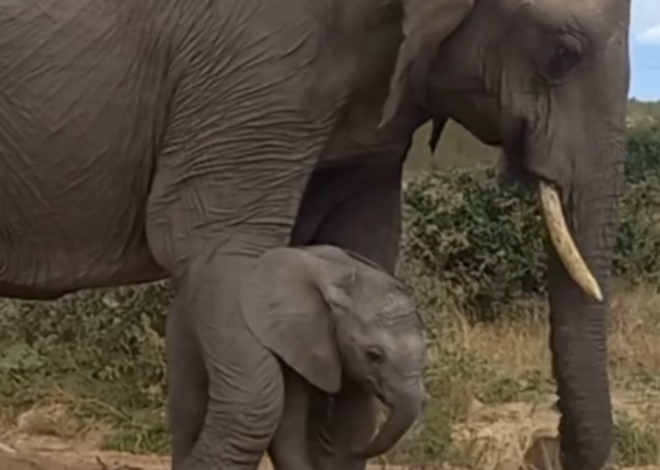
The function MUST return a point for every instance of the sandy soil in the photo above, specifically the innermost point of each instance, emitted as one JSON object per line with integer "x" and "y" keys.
{"x": 31, "y": 458}
{"x": 12, "y": 460}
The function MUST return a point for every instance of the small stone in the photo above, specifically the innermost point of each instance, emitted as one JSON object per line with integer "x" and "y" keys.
{"x": 543, "y": 454}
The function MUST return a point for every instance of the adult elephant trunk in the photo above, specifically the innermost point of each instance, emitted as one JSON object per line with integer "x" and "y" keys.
{"x": 582, "y": 226}
{"x": 404, "y": 410}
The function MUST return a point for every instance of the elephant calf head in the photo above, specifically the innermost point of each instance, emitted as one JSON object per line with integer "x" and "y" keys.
{"x": 329, "y": 315}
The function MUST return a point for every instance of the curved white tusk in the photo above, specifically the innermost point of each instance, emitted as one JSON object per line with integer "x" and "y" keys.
{"x": 563, "y": 242}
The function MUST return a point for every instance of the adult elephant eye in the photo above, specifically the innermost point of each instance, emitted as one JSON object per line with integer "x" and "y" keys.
{"x": 564, "y": 58}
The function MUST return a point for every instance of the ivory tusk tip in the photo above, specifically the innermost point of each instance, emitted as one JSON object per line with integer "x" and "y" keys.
{"x": 596, "y": 293}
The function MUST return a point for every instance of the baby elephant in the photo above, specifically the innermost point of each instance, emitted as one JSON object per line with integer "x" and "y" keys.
{"x": 344, "y": 329}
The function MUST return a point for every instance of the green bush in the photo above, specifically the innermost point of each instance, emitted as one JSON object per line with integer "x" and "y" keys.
{"x": 638, "y": 244}
{"x": 103, "y": 347}
{"x": 484, "y": 241}
{"x": 643, "y": 149}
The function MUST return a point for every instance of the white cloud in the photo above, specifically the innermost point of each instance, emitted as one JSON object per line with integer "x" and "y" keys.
{"x": 645, "y": 20}
{"x": 650, "y": 36}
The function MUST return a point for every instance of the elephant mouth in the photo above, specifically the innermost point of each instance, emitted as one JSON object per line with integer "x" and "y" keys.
{"x": 554, "y": 218}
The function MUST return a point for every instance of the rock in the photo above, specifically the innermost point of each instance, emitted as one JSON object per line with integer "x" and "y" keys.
{"x": 543, "y": 454}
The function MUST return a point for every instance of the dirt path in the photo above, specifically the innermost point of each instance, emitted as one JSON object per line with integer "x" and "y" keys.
{"x": 25, "y": 459}
{"x": 12, "y": 460}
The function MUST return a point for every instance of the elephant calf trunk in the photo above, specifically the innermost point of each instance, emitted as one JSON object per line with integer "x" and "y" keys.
{"x": 402, "y": 416}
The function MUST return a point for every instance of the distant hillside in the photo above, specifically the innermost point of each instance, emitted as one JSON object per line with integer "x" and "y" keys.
{"x": 459, "y": 149}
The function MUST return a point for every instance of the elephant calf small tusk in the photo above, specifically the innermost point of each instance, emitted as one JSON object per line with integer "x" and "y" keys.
{"x": 563, "y": 242}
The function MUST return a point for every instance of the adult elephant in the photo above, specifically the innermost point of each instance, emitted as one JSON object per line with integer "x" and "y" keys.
{"x": 163, "y": 138}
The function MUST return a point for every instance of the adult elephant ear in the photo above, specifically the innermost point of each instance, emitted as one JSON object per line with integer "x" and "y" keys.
{"x": 426, "y": 24}
{"x": 290, "y": 301}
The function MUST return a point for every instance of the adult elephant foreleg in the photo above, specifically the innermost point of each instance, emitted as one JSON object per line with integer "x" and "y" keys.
{"x": 245, "y": 387}
{"x": 187, "y": 383}
{"x": 210, "y": 248}
{"x": 233, "y": 161}
{"x": 213, "y": 211}
{"x": 363, "y": 214}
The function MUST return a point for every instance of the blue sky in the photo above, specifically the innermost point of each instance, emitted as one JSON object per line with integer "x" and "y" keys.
{"x": 645, "y": 50}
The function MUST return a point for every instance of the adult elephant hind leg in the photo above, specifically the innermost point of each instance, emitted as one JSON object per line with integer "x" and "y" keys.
{"x": 187, "y": 383}
{"x": 357, "y": 208}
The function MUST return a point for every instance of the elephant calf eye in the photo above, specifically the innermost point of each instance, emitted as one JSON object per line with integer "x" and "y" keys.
{"x": 375, "y": 355}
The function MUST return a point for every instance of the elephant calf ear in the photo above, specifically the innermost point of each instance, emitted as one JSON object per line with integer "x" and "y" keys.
{"x": 284, "y": 307}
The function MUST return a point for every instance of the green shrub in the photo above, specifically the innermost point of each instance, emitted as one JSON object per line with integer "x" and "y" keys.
{"x": 637, "y": 252}
{"x": 103, "y": 347}
{"x": 484, "y": 241}
{"x": 643, "y": 152}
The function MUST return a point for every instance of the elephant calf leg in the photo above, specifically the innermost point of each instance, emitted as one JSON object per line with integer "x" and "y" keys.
{"x": 245, "y": 386}
{"x": 339, "y": 425}
{"x": 187, "y": 384}
{"x": 288, "y": 450}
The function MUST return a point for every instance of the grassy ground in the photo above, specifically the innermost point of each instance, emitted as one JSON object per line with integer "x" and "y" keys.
{"x": 492, "y": 392}
{"x": 489, "y": 385}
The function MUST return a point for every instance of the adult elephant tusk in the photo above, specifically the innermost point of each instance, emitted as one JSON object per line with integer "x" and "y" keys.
{"x": 563, "y": 242}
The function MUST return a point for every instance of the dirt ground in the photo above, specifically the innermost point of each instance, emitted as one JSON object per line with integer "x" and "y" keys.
{"x": 10, "y": 459}
{"x": 494, "y": 438}
{"x": 37, "y": 454}
{"x": 13, "y": 460}
{"x": 497, "y": 437}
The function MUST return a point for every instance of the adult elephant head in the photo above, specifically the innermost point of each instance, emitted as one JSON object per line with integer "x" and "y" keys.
{"x": 548, "y": 81}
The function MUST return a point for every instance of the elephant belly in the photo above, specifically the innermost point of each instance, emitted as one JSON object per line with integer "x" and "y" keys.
{"x": 49, "y": 274}
{"x": 59, "y": 235}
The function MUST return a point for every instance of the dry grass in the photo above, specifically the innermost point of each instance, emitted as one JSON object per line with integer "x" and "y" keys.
{"x": 511, "y": 395}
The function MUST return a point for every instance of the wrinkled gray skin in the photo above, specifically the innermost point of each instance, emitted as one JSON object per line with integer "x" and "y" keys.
{"x": 345, "y": 330}
{"x": 149, "y": 139}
